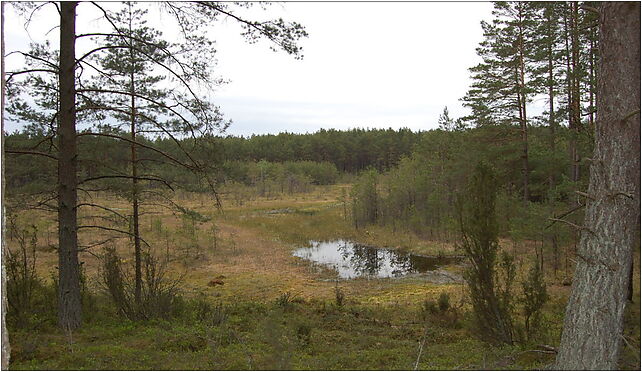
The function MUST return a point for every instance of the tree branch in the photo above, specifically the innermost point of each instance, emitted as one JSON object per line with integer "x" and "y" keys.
{"x": 558, "y": 218}
{"x": 137, "y": 144}
{"x": 111, "y": 229}
{"x": 128, "y": 177}
{"x": 96, "y": 90}
{"x": 102, "y": 207}
{"x": 14, "y": 73}
{"x": 28, "y": 152}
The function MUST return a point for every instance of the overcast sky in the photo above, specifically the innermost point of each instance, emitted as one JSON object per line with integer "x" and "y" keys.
{"x": 365, "y": 65}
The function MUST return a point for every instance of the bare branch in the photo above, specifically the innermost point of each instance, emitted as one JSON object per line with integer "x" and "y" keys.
{"x": 89, "y": 53}
{"x": 577, "y": 227}
{"x": 11, "y": 74}
{"x": 28, "y": 152}
{"x": 590, "y": 9}
{"x": 583, "y": 194}
{"x": 564, "y": 215}
{"x": 111, "y": 229}
{"x": 129, "y": 177}
{"x": 102, "y": 207}
{"x": 87, "y": 247}
{"x": 48, "y": 63}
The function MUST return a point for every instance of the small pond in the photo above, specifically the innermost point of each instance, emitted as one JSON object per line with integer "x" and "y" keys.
{"x": 352, "y": 260}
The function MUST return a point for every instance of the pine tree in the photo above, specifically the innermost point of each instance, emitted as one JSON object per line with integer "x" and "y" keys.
{"x": 593, "y": 324}
{"x": 128, "y": 91}
{"x": 501, "y": 89}
{"x": 71, "y": 85}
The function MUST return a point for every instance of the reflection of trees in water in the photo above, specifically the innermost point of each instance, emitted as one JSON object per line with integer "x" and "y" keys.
{"x": 364, "y": 260}
{"x": 401, "y": 263}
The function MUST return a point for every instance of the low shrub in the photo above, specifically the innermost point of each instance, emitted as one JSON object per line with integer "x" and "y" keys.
{"x": 339, "y": 295}
{"x": 444, "y": 302}
{"x": 31, "y": 301}
{"x": 159, "y": 294}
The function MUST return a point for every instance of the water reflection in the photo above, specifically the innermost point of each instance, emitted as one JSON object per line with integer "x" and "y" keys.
{"x": 353, "y": 260}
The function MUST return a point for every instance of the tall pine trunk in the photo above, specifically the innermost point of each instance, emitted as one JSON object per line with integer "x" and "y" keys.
{"x": 575, "y": 90}
{"x": 592, "y": 335}
{"x": 135, "y": 214}
{"x": 6, "y": 349}
{"x": 550, "y": 40}
{"x": 551, "y": 92}
{"x": 571, "y": 75}
{"x": 138, "y": 276}
{"x": 524, "y": 121}
{"x": 69, "y": 302}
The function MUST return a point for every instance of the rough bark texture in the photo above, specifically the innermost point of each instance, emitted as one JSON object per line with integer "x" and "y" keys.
{"x": 6, "y": 349}
{"x": 591, "y": 338}
{"x": 69, "y": 305}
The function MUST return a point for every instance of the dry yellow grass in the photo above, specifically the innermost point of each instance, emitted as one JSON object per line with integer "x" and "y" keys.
{"x": 253, "y": 255}
{"x": 251, "y": 262}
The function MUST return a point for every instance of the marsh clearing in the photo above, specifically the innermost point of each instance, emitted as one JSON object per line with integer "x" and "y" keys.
{"x": 261, "y": 307}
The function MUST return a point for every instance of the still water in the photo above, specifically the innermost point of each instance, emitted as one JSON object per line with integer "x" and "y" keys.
{"x": 352, "y": 260}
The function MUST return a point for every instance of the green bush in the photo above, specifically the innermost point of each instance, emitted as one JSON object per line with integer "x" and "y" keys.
{"x": 533, "y": 299}
{"x": 159, "y": 294}
{"x": 31, "y": 301}
{"x": 429, "y": 306}
{"x": 339, "y": 295}
{"x": 287, "y": 299}
{"x": 365, "y": 199}
{"x": 489, "y": 287}
{"x": 304, "y": 333}
{"x": 444, "y": 302}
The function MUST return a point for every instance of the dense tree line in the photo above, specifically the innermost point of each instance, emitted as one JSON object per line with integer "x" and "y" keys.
{"x": 421, "y": 193}
{"x": 350, "y": 151}
{"x": 544, "y": 52}
{"x": 319, "y": 156}
{"x": 541, "y": 162}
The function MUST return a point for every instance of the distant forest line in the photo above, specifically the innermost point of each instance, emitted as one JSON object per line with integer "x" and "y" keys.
{"x": 320, "y": 157}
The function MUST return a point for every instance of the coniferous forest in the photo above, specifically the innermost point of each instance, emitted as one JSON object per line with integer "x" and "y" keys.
{"x": 139, "y": 234}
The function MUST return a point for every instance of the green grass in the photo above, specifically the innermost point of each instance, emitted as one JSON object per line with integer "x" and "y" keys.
{"x": 313, "y": 335}
{"x": 325, "y": 221}
{"x": 380, "y": 326}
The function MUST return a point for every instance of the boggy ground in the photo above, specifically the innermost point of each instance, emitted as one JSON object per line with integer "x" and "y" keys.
{"x": 249, "y": 304}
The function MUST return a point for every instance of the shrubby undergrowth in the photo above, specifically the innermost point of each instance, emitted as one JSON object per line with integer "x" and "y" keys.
{"x": 491, "y": 276}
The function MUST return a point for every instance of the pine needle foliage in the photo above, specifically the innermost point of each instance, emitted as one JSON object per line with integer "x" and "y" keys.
{"x": 489, "y": 291}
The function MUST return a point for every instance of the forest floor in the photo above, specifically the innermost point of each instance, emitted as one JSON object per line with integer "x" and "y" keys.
{"x": 250, "y": 304}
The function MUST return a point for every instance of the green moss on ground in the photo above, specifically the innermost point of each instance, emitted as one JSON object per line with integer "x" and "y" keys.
{"x": 307, "y": 335}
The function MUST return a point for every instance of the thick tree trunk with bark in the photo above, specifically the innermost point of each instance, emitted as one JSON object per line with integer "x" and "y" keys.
{"x": 592, "y": 335}
{"x": 69, "y": 303}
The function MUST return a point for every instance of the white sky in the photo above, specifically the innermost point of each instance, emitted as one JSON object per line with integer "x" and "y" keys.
{"x": 365, "y": 65}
